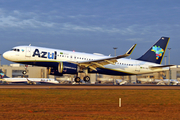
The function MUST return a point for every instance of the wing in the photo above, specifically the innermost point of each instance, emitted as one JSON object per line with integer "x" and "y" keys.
{"x": 101, "y": 62}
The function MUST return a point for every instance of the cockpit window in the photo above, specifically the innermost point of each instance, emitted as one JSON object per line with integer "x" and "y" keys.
{"x": 15, "y": 50}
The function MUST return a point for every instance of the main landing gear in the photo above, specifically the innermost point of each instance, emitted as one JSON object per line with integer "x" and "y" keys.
{"x": 86, "y": 79}
{"x": 25, "y": 71}
{"x": 77, "y": 80}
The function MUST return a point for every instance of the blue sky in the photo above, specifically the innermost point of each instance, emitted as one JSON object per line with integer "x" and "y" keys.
{"x": 90, "y": 25}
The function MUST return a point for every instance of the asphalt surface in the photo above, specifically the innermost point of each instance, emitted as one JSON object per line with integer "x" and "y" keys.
{"x": 62, "y": 86}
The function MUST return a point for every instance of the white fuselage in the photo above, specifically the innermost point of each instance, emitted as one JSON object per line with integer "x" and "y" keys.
{"x": 26, "y": 54}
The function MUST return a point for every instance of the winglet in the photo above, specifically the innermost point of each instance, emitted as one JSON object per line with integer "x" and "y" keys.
{"x": 131, "y": 49}
{"x": 128, "y": 52}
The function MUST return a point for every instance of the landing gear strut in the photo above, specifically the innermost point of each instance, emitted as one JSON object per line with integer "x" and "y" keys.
{"x": 25, "y": 71}
{"x": 86, "y": 78}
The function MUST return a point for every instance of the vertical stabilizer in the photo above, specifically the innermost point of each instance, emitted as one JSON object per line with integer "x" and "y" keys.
{"x": 1, "y": 74}
{"x": 156, "y": 53}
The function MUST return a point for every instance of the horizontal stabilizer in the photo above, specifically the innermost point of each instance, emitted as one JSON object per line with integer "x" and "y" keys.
{"x": 163, "y": 66}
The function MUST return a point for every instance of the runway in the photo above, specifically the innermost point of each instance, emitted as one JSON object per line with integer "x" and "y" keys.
{"x": 125, "y": 87}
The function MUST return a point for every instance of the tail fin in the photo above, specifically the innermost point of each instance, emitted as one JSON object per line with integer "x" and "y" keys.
{"x": 2, "y": 75}
{"x": 156, "y": 53}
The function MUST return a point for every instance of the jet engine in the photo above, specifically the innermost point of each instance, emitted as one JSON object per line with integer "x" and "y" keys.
{"x": 63, "y": 68}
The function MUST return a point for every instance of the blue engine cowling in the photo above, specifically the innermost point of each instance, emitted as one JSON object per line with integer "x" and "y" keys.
{"x": 63, "y": 68}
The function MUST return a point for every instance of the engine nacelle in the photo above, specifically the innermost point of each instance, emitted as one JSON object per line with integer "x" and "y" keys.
{"x": 63, "y": 68}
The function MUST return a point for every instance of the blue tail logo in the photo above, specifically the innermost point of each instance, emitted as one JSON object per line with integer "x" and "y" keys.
{"x": 2, "y": 75}
{"x": 159, "y": 51}
{"x": 156, "y": 53}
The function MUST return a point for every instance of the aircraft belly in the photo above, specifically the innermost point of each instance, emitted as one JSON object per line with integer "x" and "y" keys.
{"x": 111, "y": 71}
{"x": 121, "y": 69}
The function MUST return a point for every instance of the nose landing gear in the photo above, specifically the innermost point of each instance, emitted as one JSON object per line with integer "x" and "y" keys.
{"x": 25, "y": 71}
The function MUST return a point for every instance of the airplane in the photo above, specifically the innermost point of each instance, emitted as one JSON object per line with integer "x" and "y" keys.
{"x": 30, "y": 81}
{"x": 59, "y": 62}
{"x": 159, "y": 81}
{"x": 6, "y": 79}
{"x": 167, "y": 82}
{"x": 111, "y": 80}
{"x": 42, "y": 80}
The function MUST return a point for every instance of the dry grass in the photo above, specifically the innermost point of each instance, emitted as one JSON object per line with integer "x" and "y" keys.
{"x": 89, "y": 104}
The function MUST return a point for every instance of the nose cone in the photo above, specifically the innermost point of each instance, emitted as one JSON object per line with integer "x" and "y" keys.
{"x": 5, "y": 55}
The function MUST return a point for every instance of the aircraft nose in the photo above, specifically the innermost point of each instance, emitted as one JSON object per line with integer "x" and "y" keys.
{"x": 6, "y": 55}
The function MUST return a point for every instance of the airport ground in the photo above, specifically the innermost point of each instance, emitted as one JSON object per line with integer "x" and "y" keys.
{"x": 81, "y": 103}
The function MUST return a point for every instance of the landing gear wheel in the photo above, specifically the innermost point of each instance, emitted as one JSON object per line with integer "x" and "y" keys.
{"x": 86, "y": 78}
{"x": 24, "y": 72}
{"x": 77, "y": 79}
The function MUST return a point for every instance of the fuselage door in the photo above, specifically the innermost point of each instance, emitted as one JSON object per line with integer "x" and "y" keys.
{"x": 137, "y": 67}
{"x": 28, "y": 51}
